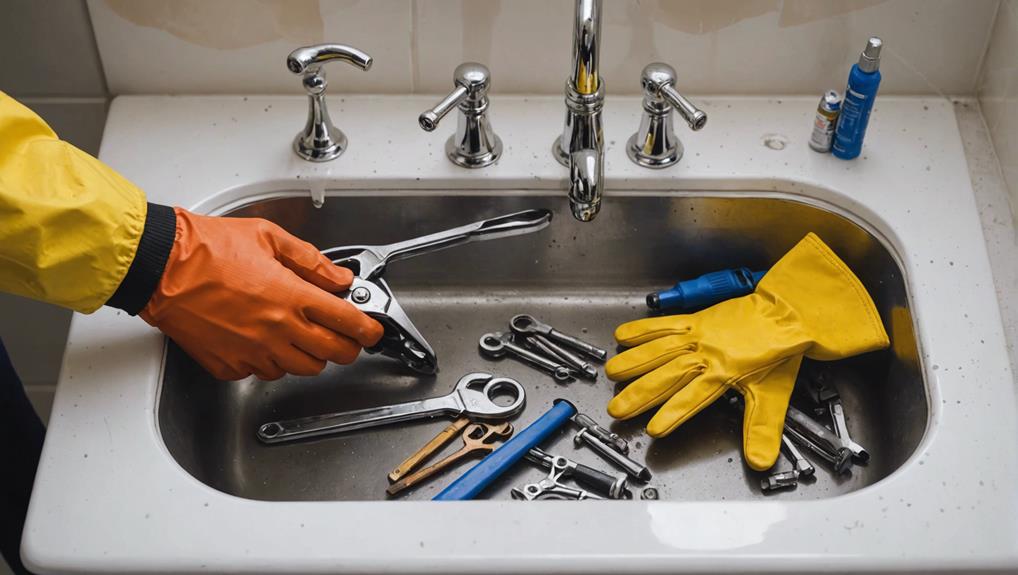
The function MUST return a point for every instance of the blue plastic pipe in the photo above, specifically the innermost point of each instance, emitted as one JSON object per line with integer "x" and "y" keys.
{"x": 473, "y": 482}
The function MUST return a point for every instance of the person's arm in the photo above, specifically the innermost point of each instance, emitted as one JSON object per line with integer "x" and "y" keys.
{"x": 241, "y": 296}
{"x": 69, "y": 226}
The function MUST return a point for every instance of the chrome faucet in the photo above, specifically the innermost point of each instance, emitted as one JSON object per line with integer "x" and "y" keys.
{"x": 320, "y": 140}
{"x": 581, "y": 145}
{"x": 655, "y": 144}
{"x": 475, "y": 144}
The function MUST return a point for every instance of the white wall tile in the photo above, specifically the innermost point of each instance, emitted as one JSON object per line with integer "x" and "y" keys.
{"x": 48, "y": 50}
{"x": 998, "y": 93}
{"x": 746, "y": 47}
{"x": 237, "y": 46}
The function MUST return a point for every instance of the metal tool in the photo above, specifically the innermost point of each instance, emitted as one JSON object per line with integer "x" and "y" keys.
{"x": 549, "y": 348}
{"x": 607, "y": 485}
{"x": 780, "y": 480}
{"x": 529, "y": 325}
{"x": 372, "y": 295}
{"x": 605, "y": 435}
{"x": 431, "y": 447}
{"x": 802, "y": 465}
{"x": 474, "y": 481}
{"x": 826, "y": 395}
{"x": 818, "y": 439}
{"x": 477, "y": 438}
{"x": 551, "y": 488}
{"x": 473, "y": 397}
{"x": 498, "y": 344}
{"x": 636, "y": 470}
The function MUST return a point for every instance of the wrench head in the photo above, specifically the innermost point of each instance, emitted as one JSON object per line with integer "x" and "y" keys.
{"x": 401, "y": 340}
{"x": 492, "y": 344}
{"x": 477, "y": 393}
{"x": 528, "y": 324}
{"x": 364, "y": 261}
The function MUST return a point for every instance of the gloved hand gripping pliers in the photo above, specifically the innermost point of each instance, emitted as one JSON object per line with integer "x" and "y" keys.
{"x": 371, "y": 294}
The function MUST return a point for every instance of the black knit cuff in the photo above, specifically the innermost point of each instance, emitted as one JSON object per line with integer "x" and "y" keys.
{"x": 149, "y": 260}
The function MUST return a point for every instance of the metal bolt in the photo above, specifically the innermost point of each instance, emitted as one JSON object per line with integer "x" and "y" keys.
{"x": 360, "y": 295}
{"x": 650, "y": 494}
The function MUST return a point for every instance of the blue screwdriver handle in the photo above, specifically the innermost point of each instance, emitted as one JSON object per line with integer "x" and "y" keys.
{"x": 471, "y": 483}
{"x": 706, "y": 290}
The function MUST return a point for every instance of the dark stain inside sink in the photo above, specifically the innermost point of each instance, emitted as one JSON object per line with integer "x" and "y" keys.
{"x": 582, "y": 278}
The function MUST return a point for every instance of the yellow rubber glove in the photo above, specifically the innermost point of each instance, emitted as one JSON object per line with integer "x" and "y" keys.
{"x": 809, "y": 303}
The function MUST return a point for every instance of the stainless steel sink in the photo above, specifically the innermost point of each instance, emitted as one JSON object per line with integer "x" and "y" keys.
{"x": 582, "y": 278}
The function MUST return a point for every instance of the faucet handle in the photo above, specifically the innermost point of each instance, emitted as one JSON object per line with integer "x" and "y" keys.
{"x": 474, "y": 145}
{"x": 320, "y": 140}
{"x": 655, "y": 144}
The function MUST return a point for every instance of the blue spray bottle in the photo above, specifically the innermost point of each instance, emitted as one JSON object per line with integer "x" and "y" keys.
{"x": 863, "y": 82}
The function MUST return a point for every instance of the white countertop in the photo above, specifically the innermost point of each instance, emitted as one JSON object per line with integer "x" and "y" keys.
{"x": 109, "y": 497}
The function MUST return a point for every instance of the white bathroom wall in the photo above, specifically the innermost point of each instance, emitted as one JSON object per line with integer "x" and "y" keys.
{"x": 739, "y": 47}
{"x": 998, "y": 94}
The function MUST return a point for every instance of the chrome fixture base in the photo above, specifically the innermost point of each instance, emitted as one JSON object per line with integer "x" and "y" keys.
{"x": 459, "y": 152}
{"x": 474, "y": 145}
{"x": 321, "y": 140}
{"x": 655, "y": 144}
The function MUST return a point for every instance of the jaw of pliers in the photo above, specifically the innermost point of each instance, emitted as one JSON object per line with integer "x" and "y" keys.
{"x": 401, "y": 339}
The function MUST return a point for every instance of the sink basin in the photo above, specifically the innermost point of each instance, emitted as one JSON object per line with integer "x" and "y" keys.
{"x": 582, "y": 278}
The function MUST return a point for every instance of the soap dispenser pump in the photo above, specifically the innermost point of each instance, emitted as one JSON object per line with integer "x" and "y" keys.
{"x": 863, "y": 82}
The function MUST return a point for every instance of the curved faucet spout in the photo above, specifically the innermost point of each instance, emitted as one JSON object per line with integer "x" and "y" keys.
{"x": 586, "y": 171}
{"x": 581, "y": 145}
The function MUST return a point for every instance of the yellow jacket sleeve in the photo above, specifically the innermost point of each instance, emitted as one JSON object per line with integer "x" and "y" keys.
{"x": 69, "y": 224}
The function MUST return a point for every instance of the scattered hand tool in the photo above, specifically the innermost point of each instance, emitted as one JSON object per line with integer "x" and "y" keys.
{"x": 611, "y": 487}
{"x": 498, "y": 344}
{"x": 550, "y": 487}
{"x": 370, "y": 293}
{"x": 705, "y": 290}
{"x": 477, "y": 438}
{"x": 605, "y": 435}
{"x": 587, "y": 436}
{"x": 436, "y": 443}
{"x": 827, "y": 397}
{"x": 465, "y": 400}
{"x": 802, "y": 465}
{"x": 555, "y": 352}
{"x": 818, "y": 439}
{"x": 529, "y": 325}
{"x": 475, "y": 480}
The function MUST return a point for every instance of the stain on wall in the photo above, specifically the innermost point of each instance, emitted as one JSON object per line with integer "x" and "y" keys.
{"x": 228, "y": 24}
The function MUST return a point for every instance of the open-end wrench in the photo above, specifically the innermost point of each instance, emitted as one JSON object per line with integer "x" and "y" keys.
{"x": 478, "y": 438}
{"x": 430, "y": 448}
{"x": 498, "y": 344}
{"x": 473, "y": 397}
{"x": 528, "y": 324}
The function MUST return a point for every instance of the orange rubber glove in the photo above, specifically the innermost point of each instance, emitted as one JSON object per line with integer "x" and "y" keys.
{"x": 241, "y": 296}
